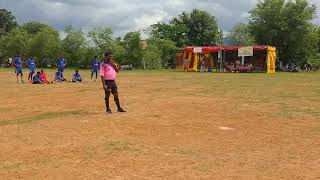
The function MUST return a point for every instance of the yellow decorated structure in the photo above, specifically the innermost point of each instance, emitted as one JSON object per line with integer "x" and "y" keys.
{"x": 228, "y": 59}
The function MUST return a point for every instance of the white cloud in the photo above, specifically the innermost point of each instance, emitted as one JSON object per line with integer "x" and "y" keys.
{"x": 146, "y": 20}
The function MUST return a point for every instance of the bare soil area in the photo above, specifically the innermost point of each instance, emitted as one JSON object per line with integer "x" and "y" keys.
{"x": 178, "y": 126}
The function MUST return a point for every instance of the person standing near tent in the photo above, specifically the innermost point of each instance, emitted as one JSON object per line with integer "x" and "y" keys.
{"x": 258, "y": 64}
{"x": 108, "y": 71}
{"x": 186, "y": 65}
{"x": 18, "y": 64}
{"x": 219, "y": 65}
{"x": 61, "y": 64}
{"x": 95, "y": 66}
{"x": 202, "y": 65}
{"x": 32, "y": 68}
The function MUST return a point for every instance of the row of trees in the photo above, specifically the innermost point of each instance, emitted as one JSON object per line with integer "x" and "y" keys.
{"x": 284, "y": 24}
{"x": 196, "y": 28}
{"x": 42, "y": 41}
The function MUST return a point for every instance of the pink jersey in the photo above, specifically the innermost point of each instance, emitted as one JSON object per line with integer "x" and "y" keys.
{"x": 107, "y": 71}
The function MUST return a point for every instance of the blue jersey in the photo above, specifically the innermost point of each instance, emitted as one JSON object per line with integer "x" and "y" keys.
{"x": 31, "y": 64}
{"x": 76, "y": 77}
{"x": 58, "y": 76}
{"x": 18, "y": 62}
{"x": 95, "y": 64}
{"x": 37, "y": 78}
{"x": 61, "y": 63}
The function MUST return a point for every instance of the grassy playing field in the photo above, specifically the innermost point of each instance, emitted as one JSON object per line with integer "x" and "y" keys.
{"x": 179, "y": 126}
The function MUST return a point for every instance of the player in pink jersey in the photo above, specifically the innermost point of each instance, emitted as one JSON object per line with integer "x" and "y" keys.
{"x": 108, "y": 71}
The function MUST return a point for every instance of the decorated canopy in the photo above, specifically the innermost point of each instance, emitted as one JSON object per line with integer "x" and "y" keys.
{"x": 210, "y": 49}
{"x": 192, "y": 54}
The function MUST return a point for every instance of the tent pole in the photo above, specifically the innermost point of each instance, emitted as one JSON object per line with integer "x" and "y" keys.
{"x": 223, "y": 61}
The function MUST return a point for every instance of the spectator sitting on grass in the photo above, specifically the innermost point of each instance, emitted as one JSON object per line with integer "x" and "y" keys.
{"x": 37, "y": 79}
{"x": 59, "y": 77}
{"x": 44, "y": 77}
{"x": 76, "y": 77}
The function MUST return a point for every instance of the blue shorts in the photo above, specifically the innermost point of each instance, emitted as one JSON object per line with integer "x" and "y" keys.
{"x": 19, "y": 71}
{"x": 32, "y": 71}
{"x": 61, "y": 69}
{"x": 95, "y": 70}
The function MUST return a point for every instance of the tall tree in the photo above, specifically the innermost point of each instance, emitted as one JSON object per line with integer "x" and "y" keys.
{"x": 317, "y": 32}
{"x": 34, "y": 27}
{"x": 74, "y": 45}
{"x": 16, "y": 42}
{"x": 7, "y": 22}
{"x": 152, "y": 57}
{"x": 167, "y": 51}
{"x": 241, "y": 36}
{"x": 46, "y": 44}
{"x": 88, "y": 54}
{"x": 102, "y": 38}
{"x": 279, "y": 23}
{"x": 131, "y": 43}
{"x": 314, "y": 46}
{"x": 197, "y": 28}
{"x": 203, "y": 28}
{"x": 176, "y": 33}
{"x": 119, "y": 52}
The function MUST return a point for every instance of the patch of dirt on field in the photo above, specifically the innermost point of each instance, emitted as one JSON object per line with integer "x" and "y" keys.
{"x": 173, "y": 130}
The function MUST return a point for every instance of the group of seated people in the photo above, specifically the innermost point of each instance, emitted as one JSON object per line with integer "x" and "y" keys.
{"x": 41, "y": 77}
{"x": 238, "y": 67}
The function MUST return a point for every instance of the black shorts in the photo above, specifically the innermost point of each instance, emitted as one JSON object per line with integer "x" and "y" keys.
{"x": 112, "y": 86}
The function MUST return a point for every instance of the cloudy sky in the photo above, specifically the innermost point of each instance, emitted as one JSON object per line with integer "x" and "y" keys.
{"x": 126, "y": 15}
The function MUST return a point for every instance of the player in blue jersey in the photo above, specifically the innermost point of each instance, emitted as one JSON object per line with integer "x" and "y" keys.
{"x": 32, "y": 68}
{"x": 95, "y": 64}
{"x": 18, "y": 64}
{"x": 59, "y": 77}
{"x": 76, "y": 77}
{"x": 61, "y": 64}
{"x": 37, "y": 79}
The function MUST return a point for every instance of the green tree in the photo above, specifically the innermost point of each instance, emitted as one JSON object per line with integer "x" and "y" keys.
{"x": 200, "y": 27}
{"x": 152, "y": 57}
{"x": 167, "y": 51}
{"x": 88, "y": 54}
{"x": 16, "y": 42}
{"x": 177, "y": 33}
{"x": 197, "y": 28}
{"x": 7, "y": 22}
{"x": 241, "y": 35}
{"x": 45, "y": 44}
{"x": 160, "y": 31}
{"x": 119, "y": 52}
{"x": 102, "y": 38}
{"x": 203, "y": 29}
{"x": 279, "y": 23}
{"x": 317, "y": 31}
{"x": 133, "y": 49}
{"x": 74, "y": 45}
{"x": 313, "y": 56}
{"x": 103, "y": 41}
{"x": 34, "y": 27}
